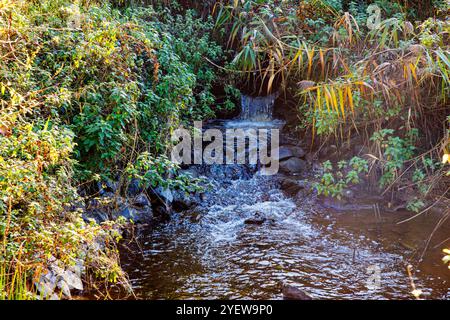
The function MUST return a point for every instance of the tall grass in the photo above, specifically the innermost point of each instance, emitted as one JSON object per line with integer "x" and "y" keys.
{"x": 350, "y": 79}
{"x": 14, "y": 283}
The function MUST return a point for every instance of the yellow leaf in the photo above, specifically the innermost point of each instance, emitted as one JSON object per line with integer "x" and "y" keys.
{"x": 271, "y": 79}
{"x": 327, "y": 98}
{"x": 334, "y": 100}
{"x": 341, "y": 100}
{"x": 310, "y": 54}
{"x": 350, "y": 98}
{"x": 445, "y": 159}
{"x": 322, "y": 62}
{"x": 413, "y": 71}
{"x": 319, "y": 98}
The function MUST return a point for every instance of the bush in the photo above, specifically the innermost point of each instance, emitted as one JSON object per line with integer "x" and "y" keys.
{"x": 88, "y": 91}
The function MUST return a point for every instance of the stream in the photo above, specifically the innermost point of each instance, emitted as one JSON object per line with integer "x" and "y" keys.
{"x": 247, "y": 238}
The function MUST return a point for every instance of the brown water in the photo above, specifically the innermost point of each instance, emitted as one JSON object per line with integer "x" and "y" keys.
{"x": 213, "y": 253}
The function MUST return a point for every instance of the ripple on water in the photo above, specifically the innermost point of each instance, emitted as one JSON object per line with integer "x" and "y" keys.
{"x": 222, "y": 257}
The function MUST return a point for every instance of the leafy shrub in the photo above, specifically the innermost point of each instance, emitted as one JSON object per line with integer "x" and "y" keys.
{"x": 87, "y": 91}
{"x": 334, "y": 181}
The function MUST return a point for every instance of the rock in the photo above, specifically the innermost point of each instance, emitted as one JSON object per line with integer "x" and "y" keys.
{"x": 95, "y": 210}
{"x": 293, "y": 291}
{"x": 72, "y": 280}
{"x": 164, "y": 194}
{"x": 107, "y": 186}
{"x": 64, "y": 288}
{"x": 229, "y": 172}
{"x": 258, "y": 219}
{"x": 297, "y": 151}
{"x": 162, "y": 213}
{"x": 46, "y": 285}
{"x": 78, "y": 268}
{"x": 255, "y": 221}
{"x": 56, "y": 270}
{"x": 289, "y": 151}
{"x": 137, "y": 215}
{"x": 284, "y": 153}
{"x": 98, "y": 215}
{"x": 292, "y": 186}
{"x": 54, "y": 297}
{"x": 293, "y": 165}
{"x": 141, "y": 201}
{"x": 93, "y": 204}
{"x": 134, "y": 187}
{"x": 184, "y": 201}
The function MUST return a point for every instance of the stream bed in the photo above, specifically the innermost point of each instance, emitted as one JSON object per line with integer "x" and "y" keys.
{"x": 247, "y": 238}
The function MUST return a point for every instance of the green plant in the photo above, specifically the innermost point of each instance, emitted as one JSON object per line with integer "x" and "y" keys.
{"x": 334, "y": 181}
{"x": 394, "y": 151}
{"x": 87, "y": 90}
{"x": 163, "y": 173}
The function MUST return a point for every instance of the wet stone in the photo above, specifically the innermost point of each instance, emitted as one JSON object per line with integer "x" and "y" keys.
{"x": 292, "y": 291}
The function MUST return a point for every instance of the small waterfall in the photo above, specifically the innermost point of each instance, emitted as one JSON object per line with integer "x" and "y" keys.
{"x": 257, "y": 108}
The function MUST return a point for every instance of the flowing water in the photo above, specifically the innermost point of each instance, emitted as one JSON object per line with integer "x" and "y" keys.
{"x": 247, "y": 237}
{"x": 213, "y": 253}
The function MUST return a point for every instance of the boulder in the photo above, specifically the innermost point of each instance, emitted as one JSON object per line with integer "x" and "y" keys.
{"x": 98, "y": 215}
{"x": 46, "y": 285}
{"x": 137, "y": 215}
{"x": 293, "y": 165}
{"x": 134, "y": 187}
{"x": 65, "y": 289}
{"x": 162, "y": 213}
{"x": 72, "y": 280}
{"x": 230, "y": 172}
{"x": 292, "y": 291}
{"x": 297, "y": 151}
{"x": 78, "y": 268}
{"x": 184, "y": 201}
{"x": 165, "y": 195}
{"x": 284, "y": 153}
{"x": 141, "y": 201}
{"x": 107, "y": 186}
{"x": 56, "y": 282}
{"x": 64, "y": 280}
{"x": 293, "y": 186}
{"x": 289, "y": 151}
{"x": 255, "y": 220}
{"x": 94, "y": 210}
